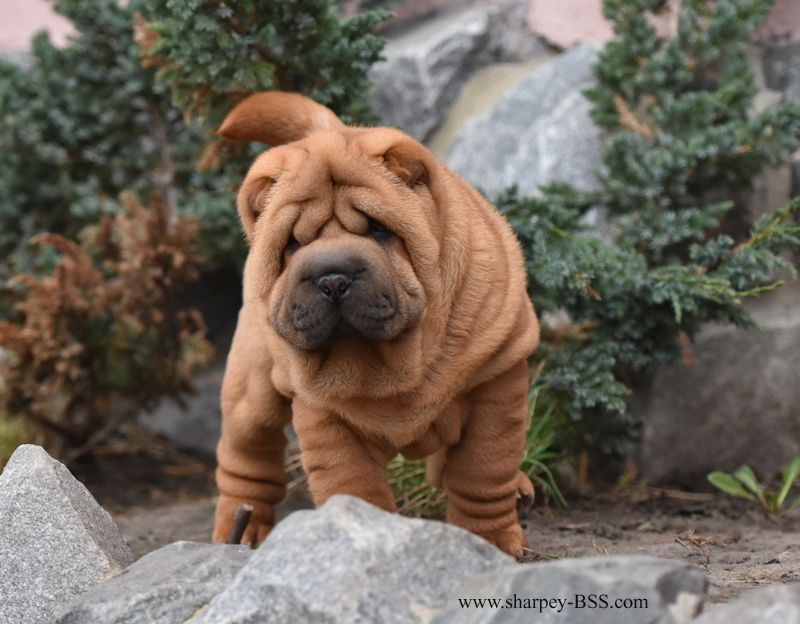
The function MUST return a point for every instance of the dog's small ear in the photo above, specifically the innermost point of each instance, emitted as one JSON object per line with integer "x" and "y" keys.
{"x": 250, "y": 202}
{"x": 406, "y": 161}
{"x": 276, "y": 118}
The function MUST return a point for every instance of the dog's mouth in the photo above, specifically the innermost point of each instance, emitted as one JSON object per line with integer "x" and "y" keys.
{"x": 337, "y": 296}
{"x": 342, "y": 331}
{"x": 319, "y": 323}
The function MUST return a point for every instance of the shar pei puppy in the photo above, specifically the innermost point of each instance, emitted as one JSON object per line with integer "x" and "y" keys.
{"x": 385, "y": 311}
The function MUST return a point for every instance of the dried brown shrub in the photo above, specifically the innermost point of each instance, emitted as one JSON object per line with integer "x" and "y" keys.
{"x": 104, "y": 327}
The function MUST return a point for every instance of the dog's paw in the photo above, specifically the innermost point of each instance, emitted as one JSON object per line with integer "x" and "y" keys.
{"x": 526, "y": 495}
{"x": 259, "y": 526}
{"x": 510, "y": 540}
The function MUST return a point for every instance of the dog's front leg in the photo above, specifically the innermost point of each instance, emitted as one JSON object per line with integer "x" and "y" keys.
{"x": 481, "y": 473}
{"x": 338, "y": 460}
{"x": 250, "y": 453}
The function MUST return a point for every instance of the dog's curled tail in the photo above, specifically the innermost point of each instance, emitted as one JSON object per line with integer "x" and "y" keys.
{"x": 276, "y": 118}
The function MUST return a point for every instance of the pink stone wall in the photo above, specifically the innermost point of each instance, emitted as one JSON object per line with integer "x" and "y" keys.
{"x": 565, "y": 23}
{"x": 21, "y": 19}
{"x": 783, "y": 21}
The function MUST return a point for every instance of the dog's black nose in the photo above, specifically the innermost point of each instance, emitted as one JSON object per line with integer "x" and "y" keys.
{"x": 334, "y": 285}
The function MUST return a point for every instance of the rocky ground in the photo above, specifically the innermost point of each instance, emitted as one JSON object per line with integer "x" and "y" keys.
{"x": 64, "y": 559}
{"x": 161, "y": 495}
{"x": 465, "y": 82}
{"x": 740, "y": 550}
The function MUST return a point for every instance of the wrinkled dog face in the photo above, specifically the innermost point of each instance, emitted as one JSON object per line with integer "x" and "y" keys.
{"x": 331, "y": 205}
{"x": 354, "y": 282}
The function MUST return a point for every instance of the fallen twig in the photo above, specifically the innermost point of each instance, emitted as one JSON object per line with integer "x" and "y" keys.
{"x": 699, "y": 497}
{"x": 98, "y": 437}
{"x": 240, "y": 522}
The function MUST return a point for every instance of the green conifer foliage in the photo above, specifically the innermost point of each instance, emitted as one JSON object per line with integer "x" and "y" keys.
{"x": 87, "y": 121}
{"x": 684, "y": 142}
{"x": 80, "y": 125}
{"x": 85, "y": 125}
{"x": 213, "y": 54}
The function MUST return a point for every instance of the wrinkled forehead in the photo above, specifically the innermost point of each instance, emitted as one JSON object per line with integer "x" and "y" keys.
{"x": 341, "y": 174}
{"x": 319, "y": 163}
{"x": 327, "y": 175}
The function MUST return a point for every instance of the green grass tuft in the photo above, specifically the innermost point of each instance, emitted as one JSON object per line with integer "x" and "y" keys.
{"x": 415, "y": 497}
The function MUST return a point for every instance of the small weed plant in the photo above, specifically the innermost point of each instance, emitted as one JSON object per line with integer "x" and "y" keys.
{"x": 744, "y": 484}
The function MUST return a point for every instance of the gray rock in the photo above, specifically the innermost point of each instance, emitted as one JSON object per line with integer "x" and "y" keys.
{"x": 197, "y": 426}
{"x": 511, "y": 39}
{"x": 539, "y": 132}
{"x": 426, "y": 67}
{"x": 770, "y": 190}
{"x": 667, "y": 591}
{"x": 168, "y": 585}
{"x": 782, "y": 68}
{"x": 55, "y": 540}
{"x": 796, "y": 177}
{"x": 736, "y": 405}
{"x": 350, "y": 562}
{"x": 777, "y": 604}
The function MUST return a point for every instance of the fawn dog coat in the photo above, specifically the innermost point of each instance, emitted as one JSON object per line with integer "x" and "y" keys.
{"x": 385, "y": 312}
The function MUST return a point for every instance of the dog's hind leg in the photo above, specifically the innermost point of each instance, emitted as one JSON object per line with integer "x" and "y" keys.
{"x": 434, "y": 467}
{"x": 526, "y": 494}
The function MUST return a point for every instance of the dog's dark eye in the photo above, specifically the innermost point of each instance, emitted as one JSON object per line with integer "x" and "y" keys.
{"x": 292, "y": 245}
{"x": 378, "y": 231}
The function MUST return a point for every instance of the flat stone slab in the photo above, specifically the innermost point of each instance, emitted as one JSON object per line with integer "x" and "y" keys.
{"x": 598, "y": 590}
{"x": 777, "y": 604}
{"x": 169, "y": 585}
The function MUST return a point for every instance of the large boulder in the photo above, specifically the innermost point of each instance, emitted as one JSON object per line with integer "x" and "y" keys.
{"x": 55, "y": 540}
{"x": 195, "y": 425}
{"x": 736, "y": 405}
{"x": 426, "y": 67}
{"x": 168, "y": 585}
{"x": 613, "y": 590}
{"x": 538, "y": 132}
{"x": 350, "y": 562}
{"x": 777, "y": 604}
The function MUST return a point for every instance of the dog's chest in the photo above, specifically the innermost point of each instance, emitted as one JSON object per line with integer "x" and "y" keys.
{"x": 442, "y": 430}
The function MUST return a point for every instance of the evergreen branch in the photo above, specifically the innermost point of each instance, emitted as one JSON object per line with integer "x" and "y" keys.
{"x": 629, "y": 120}
{"x": 760, "y": 290}
{"x": 774, "y": 227}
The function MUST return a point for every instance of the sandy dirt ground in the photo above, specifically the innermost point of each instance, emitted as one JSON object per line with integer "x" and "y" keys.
{"x": 737, "y": 554}
{"x": 740, "y": 549}
{"x": 163, "y": 496}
